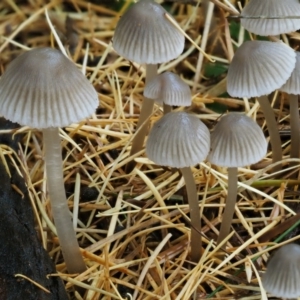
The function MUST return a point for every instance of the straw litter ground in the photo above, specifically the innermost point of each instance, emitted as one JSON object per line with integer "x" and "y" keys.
{"x": 133, "y": 228}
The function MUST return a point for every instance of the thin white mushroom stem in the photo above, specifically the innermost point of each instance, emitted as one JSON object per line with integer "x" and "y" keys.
{"x": 273, "y": 130}
{"x": 295, "y": 126}
{"x": 196, "y": 239}
{"x": 146, "y": 111}
{"x": 60, "y": 211}
{"x": 230, "y": 205}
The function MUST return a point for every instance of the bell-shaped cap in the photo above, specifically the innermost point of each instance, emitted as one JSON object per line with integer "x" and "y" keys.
{"x": 259, "y": 67}
{"x": 271, "y": 8}
{"x": 292, "y": 86}
{"x": 170, "y": 89}
{"x": 283, "y": 272}
{"x": 237, "y": 141}
{"x": 178, "y": 140}
{"x": 42, "y": 88}
{"x": 144, "y": 34}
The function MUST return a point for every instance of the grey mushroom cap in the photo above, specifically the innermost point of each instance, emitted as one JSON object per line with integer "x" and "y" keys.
{"x": 237, "y": 141}
{"x": 42, "y": 88}
{"x": 259, "y": 67}
{"x": 271, "y": 8}
{"x": 144, "y": 34}
{"x": 283, "y": 272}
{"x": 292, "y": 86}
{"x": 178, "y": 140}
{"x": 170, "y": 89}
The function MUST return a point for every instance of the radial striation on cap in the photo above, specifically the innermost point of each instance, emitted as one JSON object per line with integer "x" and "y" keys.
{"x": 259, "y": 67}
{"x": 42, "y": 88}
{"x": 292, "y": 86}
{"x": 237, "y": 141}
{"x": 178, "y": 140}
{"x": 283, "y": 273}
{"x": 271, "y": 8}
{"x": 144, "y": 34}
{"x": 170, "y": 89}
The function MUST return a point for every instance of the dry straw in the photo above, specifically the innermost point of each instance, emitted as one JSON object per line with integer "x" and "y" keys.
{"x": 120, "y": 222}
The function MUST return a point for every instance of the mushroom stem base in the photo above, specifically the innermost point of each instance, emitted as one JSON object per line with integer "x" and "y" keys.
{"x": 230, "y": 205}
{"x": 196, "y": 239}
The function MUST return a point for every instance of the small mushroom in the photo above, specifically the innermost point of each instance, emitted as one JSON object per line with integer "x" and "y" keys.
{"x": 170, "y": 90}
{"x": 144, "y": 35}
{"x": 181, "y": 140}
{"x": 236, "y": 141}
{"x": 283, "y": 272}
{"x": 269, "y": 17}
{"x": 43, "y": 89}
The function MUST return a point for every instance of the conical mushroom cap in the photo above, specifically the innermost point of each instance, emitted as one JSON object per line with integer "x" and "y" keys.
{"x": 283, "y": 272}
{"x": 170, "y": 89}
{"x": 178, "y": 140}
{"x": 146, "y": 36}
{"x": 271, "y": 8}
{"x": 292, "y": 86}
{"x": 237, "y": 141}
{"x": 259, "y": 67}
{"x": 42, "y": 88}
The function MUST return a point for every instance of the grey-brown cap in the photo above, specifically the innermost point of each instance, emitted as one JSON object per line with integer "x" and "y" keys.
{"x": 283, "y": 272}
{"x": 146, "y": 36}
{"x": 170, "y": 89}
{"x": 237, "y": 141}
{"x": 42, "y": 88}
{"x": 292, "y": 86}
{"x": 178, "y": 140}
{"x": 259, "y": 67}
{"x": 270, "y": 8}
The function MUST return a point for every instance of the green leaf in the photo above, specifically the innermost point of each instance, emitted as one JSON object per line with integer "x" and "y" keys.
{"x": 217, "y": 107}
{"x": 212, "y": 70}
{"x": 234, "y": 29}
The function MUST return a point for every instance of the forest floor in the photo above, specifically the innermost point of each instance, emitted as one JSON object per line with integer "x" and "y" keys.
{"x": 122, "y": 224}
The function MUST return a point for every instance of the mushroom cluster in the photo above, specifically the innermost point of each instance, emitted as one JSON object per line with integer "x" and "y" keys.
{"x": 58, "y": 94}
{"x": 251, "y": 74}
{"x": 265, "y": 66}
{"x": 145, "y": 35}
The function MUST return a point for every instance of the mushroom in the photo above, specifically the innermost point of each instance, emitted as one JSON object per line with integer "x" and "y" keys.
{"x": 236, "y": 141}
{"x": 144, "y": 35}
{"x": 181, "y": 140}
{"x": 269, "y": 17}
{"x": 168, "y": 89}
{"x": 257, "y": 69}
{"x": 283, "y": 272}
{"x": 43, "y": 89}
{"x": 292, "y": 87}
